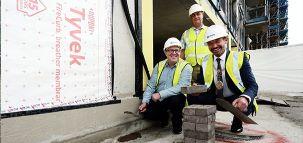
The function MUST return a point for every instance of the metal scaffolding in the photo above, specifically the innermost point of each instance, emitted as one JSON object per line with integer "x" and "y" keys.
{"x": 267, "y": 23}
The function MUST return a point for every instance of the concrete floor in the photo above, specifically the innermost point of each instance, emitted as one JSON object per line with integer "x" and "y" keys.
{"x": 275, "y": 125}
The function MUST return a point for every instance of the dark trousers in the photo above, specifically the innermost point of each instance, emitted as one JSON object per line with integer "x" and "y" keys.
{"x": 159, "y": 110}
{"x": 211, "y": 100}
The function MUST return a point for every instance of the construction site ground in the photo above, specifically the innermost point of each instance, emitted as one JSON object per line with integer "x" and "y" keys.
{"x": 276, "y": 124}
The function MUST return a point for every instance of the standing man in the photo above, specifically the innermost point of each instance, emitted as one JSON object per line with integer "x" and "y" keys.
{"x": 193, "y": 40}
{"x": 228, "y": 75}
{"x": 163, "y": 91}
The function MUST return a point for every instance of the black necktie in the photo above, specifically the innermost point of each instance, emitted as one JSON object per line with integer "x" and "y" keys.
{"x": 219, "y": 91}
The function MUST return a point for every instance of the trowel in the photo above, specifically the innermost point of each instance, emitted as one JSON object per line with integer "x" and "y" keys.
{"x": 227, "y": 106}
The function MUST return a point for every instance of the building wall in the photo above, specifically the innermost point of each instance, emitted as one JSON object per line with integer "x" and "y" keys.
{"x": 124, "y": 51}
{"x": 147, "y": 36}
{"x": 210, "y": 11}
{"x": 69, "y": 124}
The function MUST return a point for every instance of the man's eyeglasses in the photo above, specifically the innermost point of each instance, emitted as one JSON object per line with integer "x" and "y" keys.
{"x": 173, "y": 50}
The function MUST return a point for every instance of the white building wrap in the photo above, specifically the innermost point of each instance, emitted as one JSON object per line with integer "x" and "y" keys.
{"x": 55, "y": 53}
{"x": 278, "y": 69}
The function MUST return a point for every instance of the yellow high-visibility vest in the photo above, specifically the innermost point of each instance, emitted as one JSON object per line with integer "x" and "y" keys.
{"x": 195, "y": 48}
{"x": 180, "y": 66}
{"x": 233, "y": 64}
{"x": 176, "y": 77}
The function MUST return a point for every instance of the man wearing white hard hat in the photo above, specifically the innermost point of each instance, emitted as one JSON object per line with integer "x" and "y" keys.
{"x": 193, "y": 40}
{"x": 228, "y": 75}
{"x": 163, "y": 91}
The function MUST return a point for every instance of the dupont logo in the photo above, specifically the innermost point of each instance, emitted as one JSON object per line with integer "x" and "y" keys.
{"x": 30, "y": 7}
{"x": 210, "y": 35}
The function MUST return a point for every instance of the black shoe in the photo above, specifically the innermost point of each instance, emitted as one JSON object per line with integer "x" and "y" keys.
{"x": 177, "y": 131}
{"x": 236, "y": 126}
{"x": 236, "y": 129}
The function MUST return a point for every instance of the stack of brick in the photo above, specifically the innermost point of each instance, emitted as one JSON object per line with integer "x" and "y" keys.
{"x": 199, "y": 123}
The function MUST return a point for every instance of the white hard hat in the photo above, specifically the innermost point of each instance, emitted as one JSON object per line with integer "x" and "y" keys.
{"x": 214, "y": 32}
{"x": 172, "y": 42}
{"x": 195, "y": 8}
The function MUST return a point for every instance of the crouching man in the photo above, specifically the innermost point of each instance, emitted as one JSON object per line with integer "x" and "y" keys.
{"x": 228, "y": 75}
{"x": 163, "y": 91}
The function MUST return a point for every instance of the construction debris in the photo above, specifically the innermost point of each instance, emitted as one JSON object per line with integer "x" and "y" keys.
{"x": 129, "y": 137}
{"x": 272, "y": 101}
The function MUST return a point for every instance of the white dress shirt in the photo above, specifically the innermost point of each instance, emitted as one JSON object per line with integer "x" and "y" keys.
{"x": 226, "y": 91}
{"x": 197, "y": 30}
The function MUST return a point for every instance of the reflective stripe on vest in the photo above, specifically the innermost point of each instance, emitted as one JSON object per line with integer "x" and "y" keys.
{"x": 179, "y": 68}
{"x": 196, "y": 49}
{"x": 233, "y": 64}
{"x": 232, "y": 68}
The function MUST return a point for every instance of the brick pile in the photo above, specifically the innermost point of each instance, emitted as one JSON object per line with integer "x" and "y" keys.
{"x": 199, "y": 123}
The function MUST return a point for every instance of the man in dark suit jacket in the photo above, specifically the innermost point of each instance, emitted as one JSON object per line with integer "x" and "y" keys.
{"x": 227, "y": 75}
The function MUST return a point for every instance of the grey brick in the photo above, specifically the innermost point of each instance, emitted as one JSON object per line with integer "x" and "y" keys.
{"x": 205, "y": 135}
{"x": 202, "y": 120}
{"x": 191, "y": 119}
{"x": 189, "y": 134}
{"x": 206, "y": 120}
{"x": 205, "y": 110}
{"x": 206, "y": 141}
{"x": 205, "y": 127}
{"x": 189, "y": 126}
{"x": 199, "y": 135}
{"x": 189, "y": 110}
{"x": 193, "y": 89}
{"x": 189, "y": 140}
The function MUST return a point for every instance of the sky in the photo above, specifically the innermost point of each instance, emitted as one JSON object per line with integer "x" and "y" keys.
{"x": 295, "y": 22}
